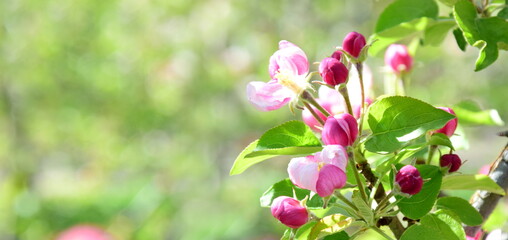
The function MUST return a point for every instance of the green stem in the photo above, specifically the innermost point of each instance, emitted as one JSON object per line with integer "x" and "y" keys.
{"x": 345, "y": 94}
{"x": 306, "y": 96}
{"x": 432, "y": 150}
{"x": 381, "y": 232}
{"x": 359, "y": 68}
{"x": 384, "y": 201}
{"x": 357, "y": 177}
{"x": 345, "y": 200}
{"x": 316, "y": 116}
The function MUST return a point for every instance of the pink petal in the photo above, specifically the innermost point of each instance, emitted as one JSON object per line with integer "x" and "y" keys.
{"x": 330, "y": 178}
{"x": 268, "y": 96}
{"x": 289, "y": 58}
{"x": 303, "y": 172}
{"x": 310, "y": 120}
{"x": 333, "y": 99}
{"x": 335, "y": 155}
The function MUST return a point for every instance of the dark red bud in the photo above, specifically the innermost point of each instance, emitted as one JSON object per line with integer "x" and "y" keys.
{"x": 409, "y": 180}
{"x": 353, "y": 43}
{"x": 333, "y": 71}
{"x": 452, "y": 161}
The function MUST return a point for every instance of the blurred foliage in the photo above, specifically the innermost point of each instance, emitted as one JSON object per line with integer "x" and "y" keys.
{"x": 128, "y": 114}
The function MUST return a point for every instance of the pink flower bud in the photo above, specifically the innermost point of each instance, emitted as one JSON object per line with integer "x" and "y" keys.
{"x": 450, "y": 126}
{"x": 84, "y": 232}
{"x": 333, "y": 71}
{"x": 289, "y": 212}
{"x": 340, "y": 130}
{"x": 452, "y": 161}
{"x": 353, "y": 43}
{"x": 398, "y": 59}
{"x": 337, "y": 55}
{"x": 409, "y": 180}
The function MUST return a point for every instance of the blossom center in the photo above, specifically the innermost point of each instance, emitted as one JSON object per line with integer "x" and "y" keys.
{"x": 294, "y": 83}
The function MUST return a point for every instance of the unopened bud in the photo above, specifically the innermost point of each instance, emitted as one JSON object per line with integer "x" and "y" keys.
{"x": 452, "y": 161}
{"x": 337, "y": 55}
{"x": 409, "y": 180}
{"x": 397, "y": 58}
{"x": 353, "y": 43}
{"x": 333, "y": 71}
{"x": 289, "y": 212}
{"x": 340, "y": 130}
{"x": 450, "y": 126}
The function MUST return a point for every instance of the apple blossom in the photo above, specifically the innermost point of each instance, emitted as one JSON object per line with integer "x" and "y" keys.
{"x": 397, "y": 58}
{"x": 409, "y": 180}
{"x": 289, "y": 211}
{"x": 450, "y": 126}
{"x": 341, "y": 130}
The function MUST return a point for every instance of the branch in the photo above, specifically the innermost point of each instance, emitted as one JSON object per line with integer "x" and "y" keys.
{"x": 484, "y": 201}
{"x": 394, "y": 223}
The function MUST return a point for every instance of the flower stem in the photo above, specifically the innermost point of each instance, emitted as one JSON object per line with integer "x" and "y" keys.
{"x": 306, "y": 96}
{"x": 384, "y": 201}
{"x": 432, "y": 150}
{"x": 359, "y": 68}
{"x": 357, "y": 177}
{"x": 345, "y": 94}
{"x": 345, "y": 200}
{"x": 381, "y": 232}
{"x": 316, "y": 116}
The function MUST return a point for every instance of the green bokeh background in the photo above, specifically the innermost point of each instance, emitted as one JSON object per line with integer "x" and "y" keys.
{"x": 129, "y": 114}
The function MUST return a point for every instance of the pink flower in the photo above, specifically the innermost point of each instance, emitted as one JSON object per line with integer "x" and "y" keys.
{"x": 485, "y": 170}
{"x": 452, "y": 161}
{"x": 450, "y": 126}
{"x": 341, "y": 130}
{"x": 398, "y": 59}
{"x": 333, "y": 71}
{"x": 353, "y": 43}
{"x": 409, "y": 180}
{"x": 357, "y": 108}
{"x": 84, "y": 232}
{"x": 289, "y": 212}
{"x": 322, "y": 172}
{"x": 288, "y": 69}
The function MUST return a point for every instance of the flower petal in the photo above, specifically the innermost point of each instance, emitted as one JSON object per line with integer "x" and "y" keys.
{"x": 268, "y": 96}
{"x": 330, "y": 178}
{"x": 289, "y": 58}
{"x": 303, "y": 172}
{"x": 335, "y": 155}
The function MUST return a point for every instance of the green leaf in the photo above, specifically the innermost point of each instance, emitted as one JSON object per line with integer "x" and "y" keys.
{"x": 436, "y": 33}
{"x": 401, "y": 11}
{"x": 459, "y": 38}
{"x": 504, "y": 12}
{"x": 287, "y": 188}
{"x": 396, "y": 120}
{"x": 441, "y": 140}
{"x": 286, "y": 235}
{"x": 471, "y": 182}
{"x": 431, "y": 227}
{"x": 421, "y": 203}
{"x": 462, "y": 209}
{"x": 469, "y": 112}
{"x": 413, "y": 28}
{"x": 484, "y": 33}
{"x": 329, "y": 225}
{"x": 243, "y": 162}
{"x": 304, "y": 231}
{"x": 290, "y": 138}
{"x": 449, "y": 3}
{"x": 453, "y": 221}
{"x": 363, "y": 209}
{"x": 342, "y": 235}
{"x": 288, "y": 134}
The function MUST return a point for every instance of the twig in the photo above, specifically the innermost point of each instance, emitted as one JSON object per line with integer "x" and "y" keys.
{"x": 484, "y": 201}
